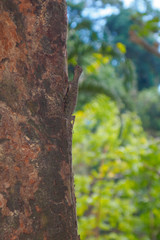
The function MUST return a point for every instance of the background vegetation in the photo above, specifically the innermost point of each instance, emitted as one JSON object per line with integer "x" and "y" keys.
{"x": 116, "y": 145}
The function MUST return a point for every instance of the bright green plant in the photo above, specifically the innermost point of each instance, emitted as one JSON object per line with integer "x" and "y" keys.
{"x": 117, "y": 175}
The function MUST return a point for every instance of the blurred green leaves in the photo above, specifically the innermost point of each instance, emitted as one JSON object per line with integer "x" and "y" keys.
{"x": 117, "y": 174}
{"x": 115, "y": 161}
{"x": 148, "y": 108}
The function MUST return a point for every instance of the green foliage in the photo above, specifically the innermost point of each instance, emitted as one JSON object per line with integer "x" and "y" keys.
{"x": 116, "y": 163}
{"x": 112, "y": 63}
{"x": 146, "y": 22}
{"x": 117, "y": 174}
{"x": 118, "y": 27}
{"x": 148, "y": 108}
{"x": 84, "y": 38}
{"x": 100, "y": 77}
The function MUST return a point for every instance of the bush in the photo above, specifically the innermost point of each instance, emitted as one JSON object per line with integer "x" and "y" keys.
{"x": 117, "y": 175}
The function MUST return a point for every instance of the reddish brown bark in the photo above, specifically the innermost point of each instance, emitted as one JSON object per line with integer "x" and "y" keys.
{"x": 36, "y": 190}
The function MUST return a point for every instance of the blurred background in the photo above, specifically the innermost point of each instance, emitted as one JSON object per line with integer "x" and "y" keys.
{"x": 116, "y": 140}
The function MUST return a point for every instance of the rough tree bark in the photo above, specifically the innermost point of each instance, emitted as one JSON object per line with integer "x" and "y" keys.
{"x": 36, "y": 186}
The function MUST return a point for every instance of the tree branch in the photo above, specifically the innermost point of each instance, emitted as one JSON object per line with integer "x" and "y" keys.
{"x": 140, "y": 41}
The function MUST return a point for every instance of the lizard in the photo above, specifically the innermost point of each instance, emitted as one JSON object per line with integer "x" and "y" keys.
{"x": 70, "y": 99}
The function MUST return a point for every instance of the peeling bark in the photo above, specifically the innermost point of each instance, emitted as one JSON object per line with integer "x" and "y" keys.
{"x": 37, "y": 199}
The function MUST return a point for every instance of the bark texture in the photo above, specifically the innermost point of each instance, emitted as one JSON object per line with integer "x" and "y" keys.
{"x": 36, "y": 187}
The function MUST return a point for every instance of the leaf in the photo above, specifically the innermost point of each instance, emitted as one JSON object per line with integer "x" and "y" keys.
{"x": 121, "y": 47}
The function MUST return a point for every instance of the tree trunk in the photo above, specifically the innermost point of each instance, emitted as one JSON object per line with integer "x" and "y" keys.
{"x": 36, "y": 187}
